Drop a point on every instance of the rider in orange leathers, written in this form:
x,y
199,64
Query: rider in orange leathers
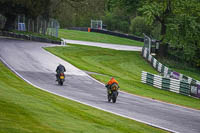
x,y
112,82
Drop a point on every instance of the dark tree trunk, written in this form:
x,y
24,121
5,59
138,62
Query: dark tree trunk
x,y
163,50
10,22
163,29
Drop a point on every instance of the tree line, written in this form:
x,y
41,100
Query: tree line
x,y
32,9
173,22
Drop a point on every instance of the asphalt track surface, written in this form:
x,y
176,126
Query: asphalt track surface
x,y
105,45
37,66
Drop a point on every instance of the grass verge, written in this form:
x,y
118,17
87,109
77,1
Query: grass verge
x,y
96,37
25,109
125,66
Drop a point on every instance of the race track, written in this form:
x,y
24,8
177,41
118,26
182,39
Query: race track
x,y
105,45
37,66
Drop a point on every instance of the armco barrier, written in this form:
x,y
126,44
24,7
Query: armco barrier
x,y
118,34
195,90
165,70
172,81
78,28
28,37
109,33
149,79
165,84
169,84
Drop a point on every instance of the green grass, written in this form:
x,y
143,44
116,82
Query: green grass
x,y
25,109
181,67
96,37
125,66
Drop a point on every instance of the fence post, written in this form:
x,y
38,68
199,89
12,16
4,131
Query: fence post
x,y
154,63
37,26
152,60
142,49
149,58
33,26
145,53
144,77
159,67
162,69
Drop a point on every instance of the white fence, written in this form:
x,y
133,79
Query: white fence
x,y
170,84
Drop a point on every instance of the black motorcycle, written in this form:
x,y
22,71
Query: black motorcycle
x,y
112,92
61,78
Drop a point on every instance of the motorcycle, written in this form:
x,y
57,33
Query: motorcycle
x,y
61,78
113,93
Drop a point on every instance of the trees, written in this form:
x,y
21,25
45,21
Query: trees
x,y
138,26
117,20
31,9
156,10
119,13
10,9
179,22
180,26
80,14
130,6
183,31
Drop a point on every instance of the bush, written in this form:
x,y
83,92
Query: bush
x,y
138,26
117,21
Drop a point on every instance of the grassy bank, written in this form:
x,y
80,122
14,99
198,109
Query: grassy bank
x,y
25,109
125,66
96,37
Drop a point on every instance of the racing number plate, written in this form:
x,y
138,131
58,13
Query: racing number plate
x,y
61,77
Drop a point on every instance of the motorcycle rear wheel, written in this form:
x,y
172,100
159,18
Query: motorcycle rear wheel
x,y
60,82
114,99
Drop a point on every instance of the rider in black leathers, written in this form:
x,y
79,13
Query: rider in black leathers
x,y
60,69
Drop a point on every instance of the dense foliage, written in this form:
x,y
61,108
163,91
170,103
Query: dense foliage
x,y
183,30
31,9
79,14
176,21
117,20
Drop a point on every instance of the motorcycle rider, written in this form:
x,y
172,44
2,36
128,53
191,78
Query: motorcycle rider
x,y
112,82
60,69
